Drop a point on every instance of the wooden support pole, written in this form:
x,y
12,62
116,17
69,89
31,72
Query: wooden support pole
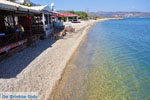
x,y
3,28
38,24
16,34
43,20
30,26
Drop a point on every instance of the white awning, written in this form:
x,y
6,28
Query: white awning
x,y
42,9
7,5
30,9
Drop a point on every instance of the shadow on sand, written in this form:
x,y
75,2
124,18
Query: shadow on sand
x,y
12,66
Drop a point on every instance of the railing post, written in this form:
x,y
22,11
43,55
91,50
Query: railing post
x,y
30,25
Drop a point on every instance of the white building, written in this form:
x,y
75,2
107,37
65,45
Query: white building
x,y
22,1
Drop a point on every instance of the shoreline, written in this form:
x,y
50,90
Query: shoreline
x,y
58,88
80,77
43,72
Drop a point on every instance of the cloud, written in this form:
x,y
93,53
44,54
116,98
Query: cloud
x,y
131,8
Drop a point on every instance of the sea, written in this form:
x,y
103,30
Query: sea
x,y
113,63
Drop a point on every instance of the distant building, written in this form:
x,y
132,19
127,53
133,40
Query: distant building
x,y
24,1
20,1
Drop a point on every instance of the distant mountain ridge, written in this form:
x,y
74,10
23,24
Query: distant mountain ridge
x,y
121,14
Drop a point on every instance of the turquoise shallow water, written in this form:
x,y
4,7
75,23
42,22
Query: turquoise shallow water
x,y
113,63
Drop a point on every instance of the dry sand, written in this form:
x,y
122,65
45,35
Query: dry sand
x,y
37,69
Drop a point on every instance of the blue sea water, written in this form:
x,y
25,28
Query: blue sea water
x,y
116,62
121,52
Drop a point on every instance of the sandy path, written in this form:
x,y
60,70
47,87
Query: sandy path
x,y
41,66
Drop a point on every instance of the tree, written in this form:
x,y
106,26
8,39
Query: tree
x,y
94,16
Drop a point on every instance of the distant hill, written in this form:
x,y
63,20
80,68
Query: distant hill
x,y
121,14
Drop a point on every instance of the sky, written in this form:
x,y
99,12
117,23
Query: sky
x,y
98,5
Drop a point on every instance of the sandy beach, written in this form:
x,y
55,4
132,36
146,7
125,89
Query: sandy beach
x,y
38,68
